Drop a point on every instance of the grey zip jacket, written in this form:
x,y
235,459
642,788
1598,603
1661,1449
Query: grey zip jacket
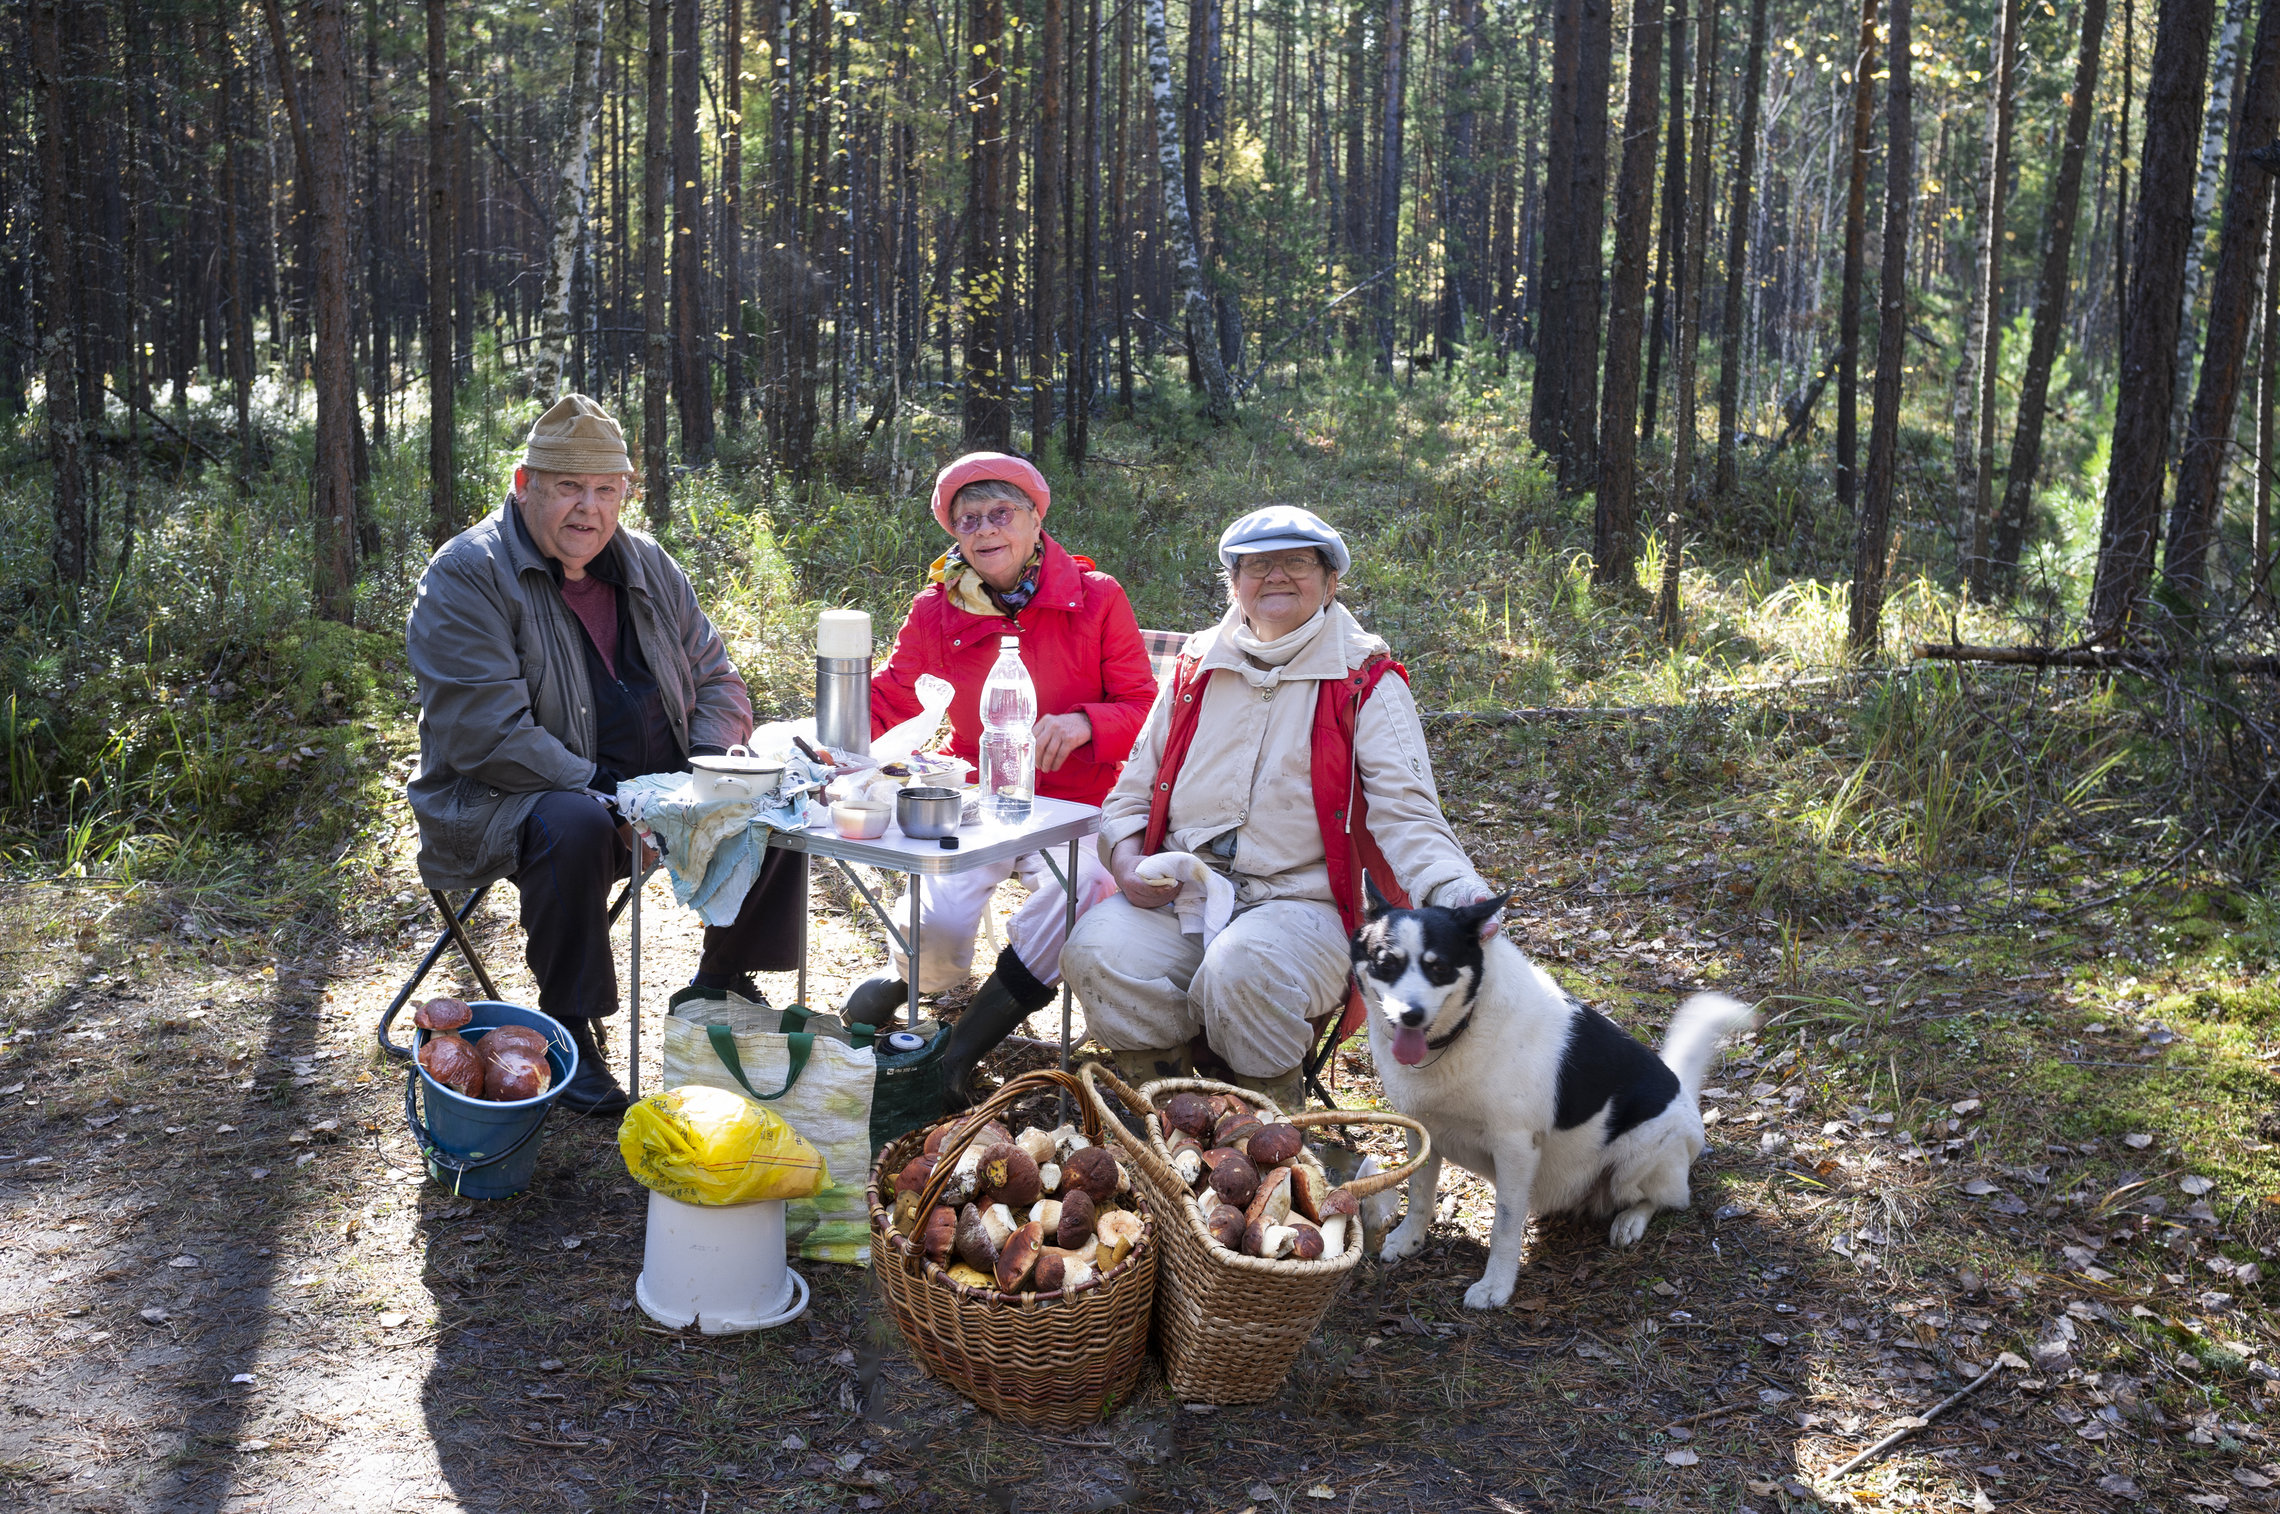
x,y
506,709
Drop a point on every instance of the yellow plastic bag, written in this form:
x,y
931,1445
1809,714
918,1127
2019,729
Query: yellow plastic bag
x,y
709,1146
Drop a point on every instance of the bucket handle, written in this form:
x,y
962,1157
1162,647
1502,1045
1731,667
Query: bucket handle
x,y
434,1151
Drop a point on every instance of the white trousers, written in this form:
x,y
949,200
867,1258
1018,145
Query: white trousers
x,y
1145,984
950,911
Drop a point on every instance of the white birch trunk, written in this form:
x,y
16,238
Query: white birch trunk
x,y
1986,258
1201,324
553,347
2213,129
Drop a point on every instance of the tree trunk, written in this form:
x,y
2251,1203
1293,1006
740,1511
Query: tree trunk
x,y
1045,222
1737,259
1087,343
657,350
732,209
1614,520
442,342
1195,308
989,410
1983,313
59,333
1693,246
1856,236
553,346
2050,298
692,372
334,492
1874,543
2222,69
2163,239
1587,202
1547,402
2267,391
1667,239
1388,239
233,257
1462,178
2232,307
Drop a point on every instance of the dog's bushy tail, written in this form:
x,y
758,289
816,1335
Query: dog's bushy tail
x,y
1695,1031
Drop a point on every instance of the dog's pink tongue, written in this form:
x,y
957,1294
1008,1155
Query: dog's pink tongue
x,y
1409,1046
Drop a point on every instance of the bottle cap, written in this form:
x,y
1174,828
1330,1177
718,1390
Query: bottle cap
x,y
903,1040
949,843
1009,643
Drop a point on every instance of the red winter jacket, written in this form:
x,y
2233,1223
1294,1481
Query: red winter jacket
x,y
1081,645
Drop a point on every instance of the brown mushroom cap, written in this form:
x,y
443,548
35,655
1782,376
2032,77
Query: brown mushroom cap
x,y
1117,1231
1009,1176
1233,1177
1190,1113
938,1235
914,1175
1270,1242
1308,1188
1226,1226
453,1063
1234,1128
1018,1257
443,1014
1271,1203
510,1076
1339,1202
1061,1271
976,1247
1273,1145
501,1039
1308,1247
1093,1170
1078,1214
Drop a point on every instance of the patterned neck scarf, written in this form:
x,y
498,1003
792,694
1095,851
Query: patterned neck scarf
x,y
970,592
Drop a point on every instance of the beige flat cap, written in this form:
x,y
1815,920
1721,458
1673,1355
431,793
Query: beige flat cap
x,y
576,435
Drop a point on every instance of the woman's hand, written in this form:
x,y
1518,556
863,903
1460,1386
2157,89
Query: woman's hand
x,y
1123,863
1058,737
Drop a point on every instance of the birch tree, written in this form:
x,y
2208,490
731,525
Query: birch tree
x,y
2206,181
1973,402
570,191
1195,306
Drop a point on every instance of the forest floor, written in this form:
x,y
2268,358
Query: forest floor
x,y
229,1287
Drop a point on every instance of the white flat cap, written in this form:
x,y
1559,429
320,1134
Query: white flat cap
x,y
1278,527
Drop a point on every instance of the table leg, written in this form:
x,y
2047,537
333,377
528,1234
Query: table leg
x,y
633,1011
1069,924
807,867
910,950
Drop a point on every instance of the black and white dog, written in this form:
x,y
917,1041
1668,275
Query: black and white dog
x,y
1546,1098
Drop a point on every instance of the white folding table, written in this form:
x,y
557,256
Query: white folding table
x,y
1051,823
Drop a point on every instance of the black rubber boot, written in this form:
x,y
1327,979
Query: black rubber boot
x,y
594,1089
1011,996
874,1000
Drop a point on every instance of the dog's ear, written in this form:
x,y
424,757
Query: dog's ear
x,y
1485,916
1378,902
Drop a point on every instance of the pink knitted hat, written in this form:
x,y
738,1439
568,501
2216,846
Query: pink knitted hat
x,y
974,467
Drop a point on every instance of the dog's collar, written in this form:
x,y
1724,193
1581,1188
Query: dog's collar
x,y
1449,1040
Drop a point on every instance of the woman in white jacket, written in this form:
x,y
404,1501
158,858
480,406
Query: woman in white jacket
x,y
1284,757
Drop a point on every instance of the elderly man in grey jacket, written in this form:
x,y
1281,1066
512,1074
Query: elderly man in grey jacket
x,y
557,654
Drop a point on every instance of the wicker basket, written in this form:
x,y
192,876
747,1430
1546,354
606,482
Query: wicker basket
x,y
1040,1359
1230,1326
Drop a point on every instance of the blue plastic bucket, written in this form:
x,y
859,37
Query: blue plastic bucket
x,y
475,1147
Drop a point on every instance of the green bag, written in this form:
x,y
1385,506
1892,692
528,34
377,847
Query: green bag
x,y
845,1093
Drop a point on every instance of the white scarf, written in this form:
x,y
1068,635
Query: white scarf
x,y
1264,660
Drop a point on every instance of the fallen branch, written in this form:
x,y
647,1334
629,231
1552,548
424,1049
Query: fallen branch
x,y
1911,1425
2133,659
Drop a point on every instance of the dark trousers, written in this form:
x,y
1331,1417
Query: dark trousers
x,y
572,854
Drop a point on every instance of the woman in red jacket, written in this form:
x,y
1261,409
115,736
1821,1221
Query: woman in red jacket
x,y
1003,576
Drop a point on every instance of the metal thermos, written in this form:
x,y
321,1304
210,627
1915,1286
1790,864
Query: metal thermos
x,y
843,681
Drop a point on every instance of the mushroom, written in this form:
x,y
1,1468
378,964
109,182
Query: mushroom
x,y
1018,1257
1233,1177
1309,1246
938,1235
1339,1213
1049,1177
1187,1159
1273,1145
443,1014
1189,1113
1271,1204
976,1246
1092,1169
1061,1271
906,1212
1009,1176
453,1063
965,1177
1234,1129
1118,1231
1037,1143
511,1076
1067,1138
1226,1226
501,1039
1308,1187
1271,1242
1047,1212
961,1273
1078,1218
914,1175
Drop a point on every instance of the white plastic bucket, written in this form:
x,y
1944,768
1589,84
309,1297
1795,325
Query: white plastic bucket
x,y
719,1267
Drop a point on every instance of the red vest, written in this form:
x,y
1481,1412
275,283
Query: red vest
x,y
1339,804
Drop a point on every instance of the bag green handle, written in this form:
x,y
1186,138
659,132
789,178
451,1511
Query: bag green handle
x,y
794,1022
801,1043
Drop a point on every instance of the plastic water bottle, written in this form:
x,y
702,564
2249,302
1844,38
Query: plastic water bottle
x,y
1009,741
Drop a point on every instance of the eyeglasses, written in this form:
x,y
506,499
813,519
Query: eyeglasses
x,y
1291,564
998,519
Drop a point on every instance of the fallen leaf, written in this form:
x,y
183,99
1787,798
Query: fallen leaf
x,y
183,1261
1321,1490
2119,1486
244,1377
2195,1184
1685,1458
153,1315
2250,1479
1979,1188
2137,1142
2208,1500
391,1320
1964,1106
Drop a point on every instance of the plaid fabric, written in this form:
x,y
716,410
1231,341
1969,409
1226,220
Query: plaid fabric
x,y
1163,648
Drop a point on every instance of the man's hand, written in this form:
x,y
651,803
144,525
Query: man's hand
x,y
1123,859
1058,737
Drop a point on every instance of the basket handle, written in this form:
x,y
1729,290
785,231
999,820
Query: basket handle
x,y
1011,1093
1141,1149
